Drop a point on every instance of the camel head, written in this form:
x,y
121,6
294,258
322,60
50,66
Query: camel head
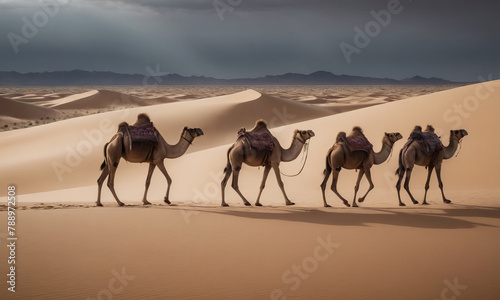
x,y
303,135
458,134
392,137
191,133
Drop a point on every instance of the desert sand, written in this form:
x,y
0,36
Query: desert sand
x,y
69,249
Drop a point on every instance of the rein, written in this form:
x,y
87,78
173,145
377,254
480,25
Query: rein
x,y
304,159
390,155
459,147
182,135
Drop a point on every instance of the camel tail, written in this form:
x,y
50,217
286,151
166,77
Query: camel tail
x,y
228,166
103,165
401,170
328,167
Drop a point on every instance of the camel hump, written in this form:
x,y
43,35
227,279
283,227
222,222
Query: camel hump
x,y
356,131
260,125
142,118
341,136
122,125
429,128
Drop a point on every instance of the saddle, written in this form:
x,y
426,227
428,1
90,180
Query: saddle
x,y
142,136
259,137
356,141
429,139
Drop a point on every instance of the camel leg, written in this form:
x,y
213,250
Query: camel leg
x,y
407,185
334,187
369,178
236,173
438,174
148,181
328,171
223,185
429,173
111,182
401,173
100,181
281,184
263,184
161,166
356,187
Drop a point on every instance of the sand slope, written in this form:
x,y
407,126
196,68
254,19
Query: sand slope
x,y
101,99
22,110
199,250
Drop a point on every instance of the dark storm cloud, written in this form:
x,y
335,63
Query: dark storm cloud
x,y
457,40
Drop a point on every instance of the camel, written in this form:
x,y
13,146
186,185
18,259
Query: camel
x,y
340,156
120,147
416,152
241,152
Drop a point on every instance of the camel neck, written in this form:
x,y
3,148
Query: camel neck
x,y
383,154
177,150
450,150
292,152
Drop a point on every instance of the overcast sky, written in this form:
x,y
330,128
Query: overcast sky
x,y
453,39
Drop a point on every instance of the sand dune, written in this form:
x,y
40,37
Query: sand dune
x,y
199,250
221,117
101,99
21,110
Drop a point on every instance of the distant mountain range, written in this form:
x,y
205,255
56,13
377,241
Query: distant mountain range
x,y
78,77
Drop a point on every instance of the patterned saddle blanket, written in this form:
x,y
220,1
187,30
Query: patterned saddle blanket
x,y
146,133
358,142
141,136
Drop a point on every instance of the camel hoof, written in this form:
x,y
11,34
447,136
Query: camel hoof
x,y
167,201
258,204
355,205
327,205
146,203
121,204
415,202
402,204
361,199
98,204
347,204
290,203
224,205
447,201
425,203
248,204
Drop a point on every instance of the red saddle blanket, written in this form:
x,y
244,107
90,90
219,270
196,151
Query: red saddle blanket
x,y
260,140
357,143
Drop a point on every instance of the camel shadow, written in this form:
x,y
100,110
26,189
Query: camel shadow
x,y
422,218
